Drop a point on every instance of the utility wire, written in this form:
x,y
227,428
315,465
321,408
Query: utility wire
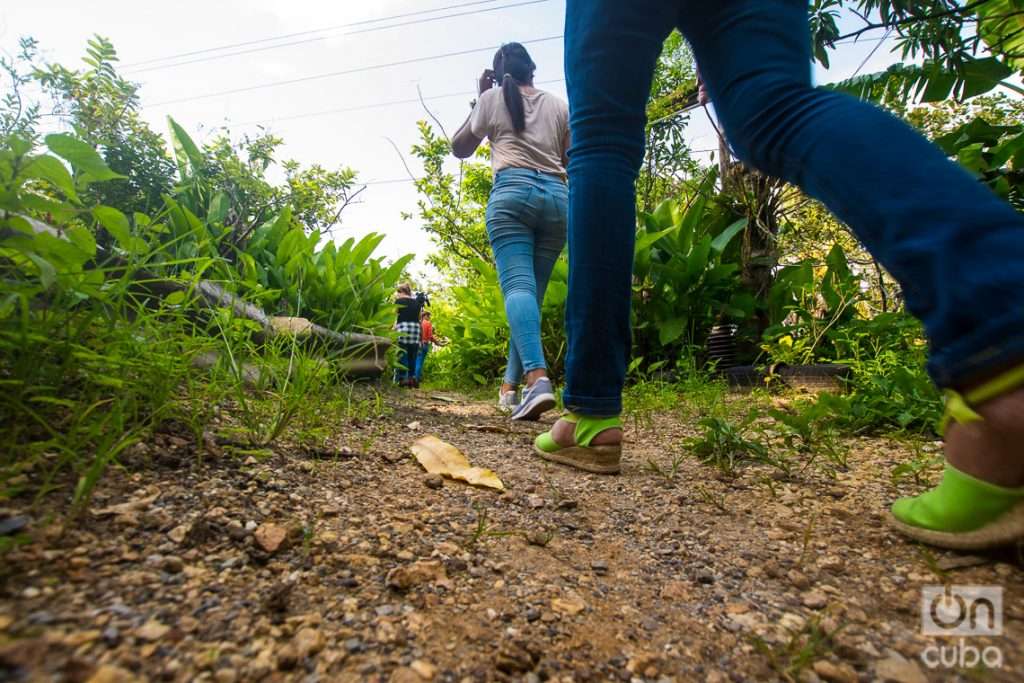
x,y
871,54
345,72
306,41
310,32
372,105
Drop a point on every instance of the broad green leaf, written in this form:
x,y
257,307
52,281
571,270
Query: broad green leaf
x,y
82,238
647,240
187,154
978,76
219,206
81,156
1007,150
671,330
115,222
47,273
1001,27
663,214
972,157
54,172
720,243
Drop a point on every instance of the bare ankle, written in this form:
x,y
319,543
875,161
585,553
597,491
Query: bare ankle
x,y
990,450
532,376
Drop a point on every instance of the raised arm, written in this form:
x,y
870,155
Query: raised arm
x,y
465,142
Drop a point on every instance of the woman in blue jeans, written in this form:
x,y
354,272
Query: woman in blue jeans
x,y
956,249
526,215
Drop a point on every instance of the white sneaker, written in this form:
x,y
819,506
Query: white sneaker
x,y
507,401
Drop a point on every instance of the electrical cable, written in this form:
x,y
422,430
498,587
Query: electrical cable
x,y
372,105
345,72
306,33
306,41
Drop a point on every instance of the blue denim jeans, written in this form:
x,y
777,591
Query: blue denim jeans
x,y
956,249
421,358
526,224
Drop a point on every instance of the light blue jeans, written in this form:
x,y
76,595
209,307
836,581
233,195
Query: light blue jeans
x,y
527,216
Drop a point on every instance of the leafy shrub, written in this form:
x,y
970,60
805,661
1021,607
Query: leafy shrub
x,y
472,318
890,389
686,276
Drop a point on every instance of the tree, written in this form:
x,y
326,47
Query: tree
x,y
965,48
18,117
102,108
667,160
454,205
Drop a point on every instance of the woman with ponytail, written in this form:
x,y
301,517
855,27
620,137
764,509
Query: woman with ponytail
x,y
527,213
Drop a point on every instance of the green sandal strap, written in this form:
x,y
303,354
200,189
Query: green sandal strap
x,y
959,407
587,428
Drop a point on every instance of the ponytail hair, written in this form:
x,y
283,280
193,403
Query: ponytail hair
x,y
514,68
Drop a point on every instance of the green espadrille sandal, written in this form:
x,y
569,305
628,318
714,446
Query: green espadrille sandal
x,y
583,456
963,512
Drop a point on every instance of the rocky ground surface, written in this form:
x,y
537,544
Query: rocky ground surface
x,y
348,562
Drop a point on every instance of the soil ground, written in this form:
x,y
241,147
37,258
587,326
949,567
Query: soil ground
x,y
344,562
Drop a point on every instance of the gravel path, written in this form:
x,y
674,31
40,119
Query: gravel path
x,y
347,562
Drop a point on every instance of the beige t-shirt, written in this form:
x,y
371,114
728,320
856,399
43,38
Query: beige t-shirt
x,y
539,147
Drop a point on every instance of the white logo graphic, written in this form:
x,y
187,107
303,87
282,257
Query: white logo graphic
x,y
962,611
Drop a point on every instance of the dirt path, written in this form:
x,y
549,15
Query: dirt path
x,y
371,574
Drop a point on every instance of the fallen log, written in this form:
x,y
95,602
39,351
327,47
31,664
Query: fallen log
x,y
361,356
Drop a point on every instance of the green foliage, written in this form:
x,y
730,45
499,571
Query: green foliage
x,y
685,274
472,318
807,309
938,41
994,153
18,116
890,389
668,161
84,374
453,205
91,360
727,445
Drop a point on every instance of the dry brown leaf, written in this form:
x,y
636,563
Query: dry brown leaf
x,y
439,457
295,326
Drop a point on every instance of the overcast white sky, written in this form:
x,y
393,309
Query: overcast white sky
x,y
144,30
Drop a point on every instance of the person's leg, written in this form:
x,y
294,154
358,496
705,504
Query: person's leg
x,y
551,231
610,54
509,212
513,368
421,358
956,249
611,49
409,353
549,240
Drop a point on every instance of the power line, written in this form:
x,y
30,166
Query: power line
x,y
373,105
871,54
310,32
345,72
306,41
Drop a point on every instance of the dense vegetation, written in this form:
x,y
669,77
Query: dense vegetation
x,y
91,218
723,244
